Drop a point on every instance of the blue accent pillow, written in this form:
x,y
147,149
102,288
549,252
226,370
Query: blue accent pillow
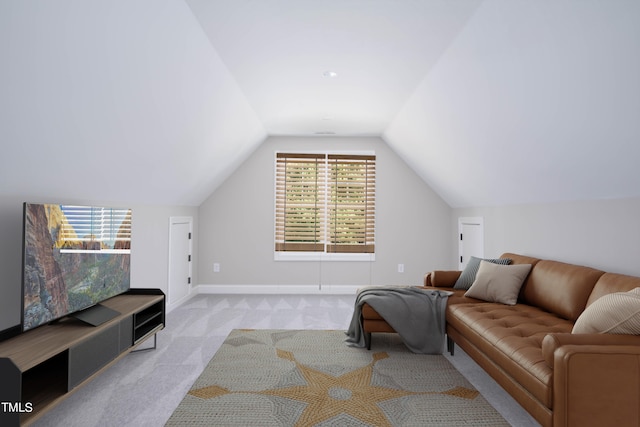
x,y
468,275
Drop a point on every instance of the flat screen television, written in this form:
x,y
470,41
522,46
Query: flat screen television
x,y
74,257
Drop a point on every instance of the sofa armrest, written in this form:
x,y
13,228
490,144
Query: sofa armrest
x,y
596,385
441,278
552,342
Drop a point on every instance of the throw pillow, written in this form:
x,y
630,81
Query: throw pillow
x,y
469,273
498,283
616,313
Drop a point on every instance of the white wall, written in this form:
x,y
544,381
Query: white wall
x,y
106,89
603,234
150,245
149,251
237,224
84,82
533,102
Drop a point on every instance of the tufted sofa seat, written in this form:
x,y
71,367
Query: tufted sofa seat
x,y
512,338
560,378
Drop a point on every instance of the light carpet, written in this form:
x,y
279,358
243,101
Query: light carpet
x,y
312,378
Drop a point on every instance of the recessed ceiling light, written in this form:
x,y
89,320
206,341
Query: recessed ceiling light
x,y
330,74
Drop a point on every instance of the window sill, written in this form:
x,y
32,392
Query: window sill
x,y
321,256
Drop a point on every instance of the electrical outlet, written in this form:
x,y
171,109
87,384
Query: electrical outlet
x,y
400,268
216,267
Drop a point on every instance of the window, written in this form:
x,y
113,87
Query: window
x,y
325,203
90,229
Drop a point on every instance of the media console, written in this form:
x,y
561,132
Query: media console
x,y
41,367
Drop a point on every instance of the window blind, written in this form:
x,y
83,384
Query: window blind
x,y
325,203
95,228
300,204
351,203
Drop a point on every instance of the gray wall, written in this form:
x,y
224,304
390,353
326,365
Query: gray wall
x,y
149,252
603,234
237,224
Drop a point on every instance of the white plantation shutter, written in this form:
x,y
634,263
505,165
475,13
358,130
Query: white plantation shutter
x,y
325,203
351,203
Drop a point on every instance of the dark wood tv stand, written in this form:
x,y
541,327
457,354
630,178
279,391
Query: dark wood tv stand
x,y
41,367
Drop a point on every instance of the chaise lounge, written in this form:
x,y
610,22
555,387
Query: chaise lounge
x,y
568,350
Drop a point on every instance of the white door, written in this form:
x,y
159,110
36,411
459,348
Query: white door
x,y
180,230
470,240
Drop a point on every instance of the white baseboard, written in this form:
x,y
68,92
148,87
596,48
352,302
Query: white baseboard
x,y
278,289
266,290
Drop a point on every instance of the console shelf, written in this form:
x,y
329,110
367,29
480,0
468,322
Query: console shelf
x,y
146,321
41,367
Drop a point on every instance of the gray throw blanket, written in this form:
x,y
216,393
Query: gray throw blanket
x,y
416,314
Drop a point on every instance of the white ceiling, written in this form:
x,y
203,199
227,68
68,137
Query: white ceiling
x,y
535,101
278,51
490,102
119,100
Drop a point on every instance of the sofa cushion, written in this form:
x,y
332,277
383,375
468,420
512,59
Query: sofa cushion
x,y
458,296
612,282
560,288
444,278
616,313
511,336
520,259
498,283
469,273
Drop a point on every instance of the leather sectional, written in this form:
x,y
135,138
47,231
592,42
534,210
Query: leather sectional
x,y
561,378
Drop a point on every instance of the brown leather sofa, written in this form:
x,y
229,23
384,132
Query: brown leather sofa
x,y
560,378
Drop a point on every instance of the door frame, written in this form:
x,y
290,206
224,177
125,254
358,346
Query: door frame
x,y
470,220
179,220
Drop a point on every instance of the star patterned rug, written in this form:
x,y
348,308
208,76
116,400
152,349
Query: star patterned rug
x,y
312,378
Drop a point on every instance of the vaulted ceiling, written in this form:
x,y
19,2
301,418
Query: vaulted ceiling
x,y
158,101
280,50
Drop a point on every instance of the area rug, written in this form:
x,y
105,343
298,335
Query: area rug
x,y
312,378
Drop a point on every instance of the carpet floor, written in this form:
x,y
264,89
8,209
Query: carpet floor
x,y
144,389
312,378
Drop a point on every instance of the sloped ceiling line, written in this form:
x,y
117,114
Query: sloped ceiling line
x,y
491,102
